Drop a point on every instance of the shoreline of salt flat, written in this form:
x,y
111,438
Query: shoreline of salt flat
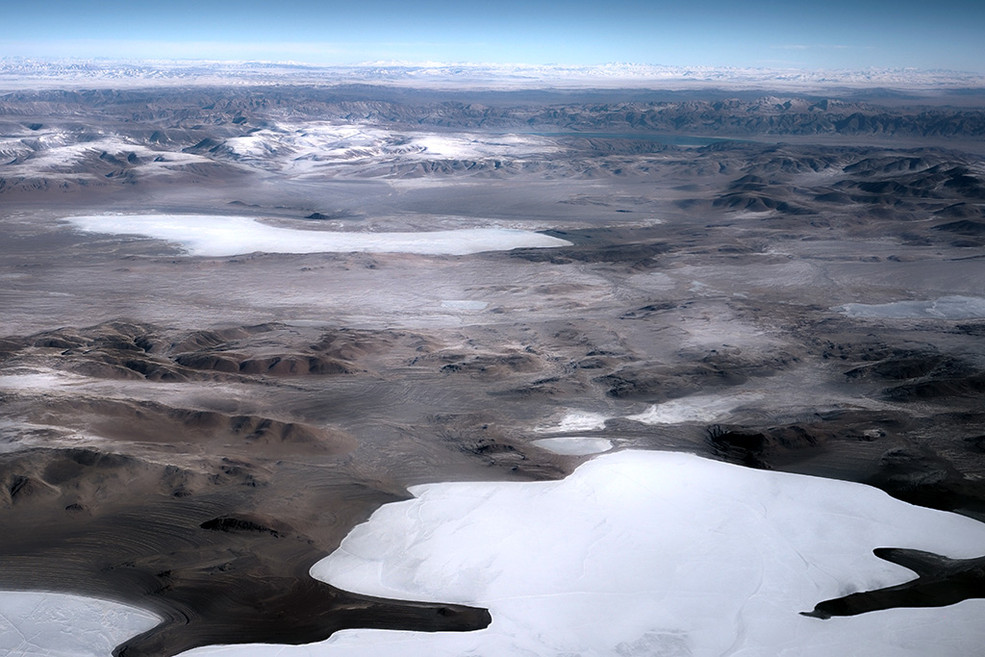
x,y
220,235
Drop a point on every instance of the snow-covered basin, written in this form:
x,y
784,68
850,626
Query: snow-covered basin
x,y
217,235
39,624
647,553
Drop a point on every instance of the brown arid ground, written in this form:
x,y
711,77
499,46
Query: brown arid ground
x,y
191,433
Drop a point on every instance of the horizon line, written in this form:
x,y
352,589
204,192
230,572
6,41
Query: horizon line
x,y
425,64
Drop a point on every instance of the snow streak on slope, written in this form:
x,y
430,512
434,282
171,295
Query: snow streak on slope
x,y
82,154
320,148
308,150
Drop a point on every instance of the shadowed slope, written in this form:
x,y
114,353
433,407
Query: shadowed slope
x,y
297,611
940,582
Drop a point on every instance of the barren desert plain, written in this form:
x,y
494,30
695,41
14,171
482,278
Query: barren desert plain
x,y
376,369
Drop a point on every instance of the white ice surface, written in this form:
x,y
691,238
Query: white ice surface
x,y
648,553
575,420
697,408
949,307
574,445
37,624
209,235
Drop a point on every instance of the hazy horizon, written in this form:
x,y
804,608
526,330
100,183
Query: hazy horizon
x,y
764,34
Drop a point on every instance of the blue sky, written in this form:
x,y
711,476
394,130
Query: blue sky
x,y
762,33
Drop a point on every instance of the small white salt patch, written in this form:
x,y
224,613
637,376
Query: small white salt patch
x,y
699,408
463,304
574,445
575,420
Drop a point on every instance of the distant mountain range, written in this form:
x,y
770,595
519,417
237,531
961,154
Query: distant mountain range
x,y
20,72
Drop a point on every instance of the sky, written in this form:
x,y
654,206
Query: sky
x,y
836,34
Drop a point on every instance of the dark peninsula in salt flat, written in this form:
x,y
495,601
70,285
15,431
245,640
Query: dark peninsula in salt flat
x,y
237,320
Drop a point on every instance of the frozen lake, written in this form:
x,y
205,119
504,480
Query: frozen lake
x,y
635,553
39,624
217,235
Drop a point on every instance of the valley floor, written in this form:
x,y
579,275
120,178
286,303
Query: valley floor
x,y
191,430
